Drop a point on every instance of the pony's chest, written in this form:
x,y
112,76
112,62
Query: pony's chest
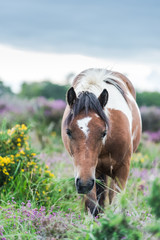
x,y
115,152
107,165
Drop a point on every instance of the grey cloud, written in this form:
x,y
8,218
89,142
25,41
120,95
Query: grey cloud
x,y
98,28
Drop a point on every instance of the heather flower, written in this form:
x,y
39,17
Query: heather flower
x,y
154,136
58,104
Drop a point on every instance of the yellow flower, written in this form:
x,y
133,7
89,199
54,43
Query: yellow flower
x,y
52,175
47,167
33,154
22,170
43,192
59,190
26,138
19,140
22,152
12,131
9,131
142,160
53,134
5,171
19,144
26,143
24,126
30,163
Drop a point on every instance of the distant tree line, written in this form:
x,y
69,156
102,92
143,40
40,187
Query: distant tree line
x,y
45,89
4,89
54,91
148,99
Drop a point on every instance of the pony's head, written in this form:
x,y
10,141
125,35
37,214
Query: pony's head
x,y
86,128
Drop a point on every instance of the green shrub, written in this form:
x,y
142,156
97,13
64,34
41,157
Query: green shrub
x,y
154,199
154,202
21,173
115,227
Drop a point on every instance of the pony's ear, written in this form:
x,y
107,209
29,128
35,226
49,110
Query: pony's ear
x,y
71,96
103,98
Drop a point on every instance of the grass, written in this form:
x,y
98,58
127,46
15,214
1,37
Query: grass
x,y
60,215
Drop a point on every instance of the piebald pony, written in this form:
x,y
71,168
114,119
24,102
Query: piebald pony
x,y
101,128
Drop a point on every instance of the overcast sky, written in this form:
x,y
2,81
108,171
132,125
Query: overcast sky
x,y
49,39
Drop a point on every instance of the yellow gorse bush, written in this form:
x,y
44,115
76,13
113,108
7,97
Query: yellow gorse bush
x,y
13,143
17,156
21,171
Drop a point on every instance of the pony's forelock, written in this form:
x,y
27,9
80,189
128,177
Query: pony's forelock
x,y
86,101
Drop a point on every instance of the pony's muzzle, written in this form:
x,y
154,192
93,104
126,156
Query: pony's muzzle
x,y
84,187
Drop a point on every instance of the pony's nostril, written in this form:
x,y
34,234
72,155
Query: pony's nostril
x,y
84,186
77,182
92,181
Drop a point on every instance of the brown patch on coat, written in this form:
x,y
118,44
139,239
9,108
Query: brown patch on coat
x,y
118,144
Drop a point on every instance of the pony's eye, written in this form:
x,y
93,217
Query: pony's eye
x,y
69,133
104,134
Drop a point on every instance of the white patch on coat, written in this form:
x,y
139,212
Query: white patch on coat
x,y
93,81
134,134
129,95
97,115
104,140
83,125
116,101
76,172
139,114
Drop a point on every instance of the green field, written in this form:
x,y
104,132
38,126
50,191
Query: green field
x,y
39,199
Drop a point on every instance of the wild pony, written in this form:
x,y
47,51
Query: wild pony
x,y
101,128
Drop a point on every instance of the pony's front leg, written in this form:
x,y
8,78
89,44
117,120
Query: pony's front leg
x,y
91,203
121,176
101,191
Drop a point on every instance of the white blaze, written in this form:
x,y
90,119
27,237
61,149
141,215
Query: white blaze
x,y
83,125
